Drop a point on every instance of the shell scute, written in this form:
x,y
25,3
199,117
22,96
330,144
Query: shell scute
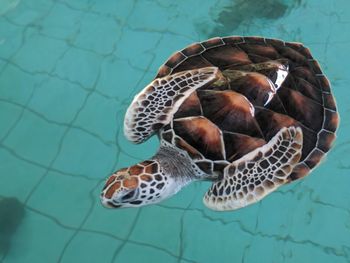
x,y
271,122
227,107
306,74
265,51
314,158
295,45
201,134
325,140
305,52
331,120
233,40
306,88
324,83
193,49
275,42
315,67
303,99
193,152
255,40
300,107
192,63
175,60
293,55
237,145
163,71
190,107
226,56
299,171
329,102
213,42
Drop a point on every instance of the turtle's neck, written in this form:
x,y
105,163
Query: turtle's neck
x,y
176,164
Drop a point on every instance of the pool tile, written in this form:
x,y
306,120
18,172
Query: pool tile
x,y
48,197
9,113
33,58
55,93
17,86
40,143
21,176
44,242
117,9
62,22
100,27
198,233
116,222
10,39
118,78
80,67
82,153
156,234
90,242
139,47
99,117
26,12
141,20
133,253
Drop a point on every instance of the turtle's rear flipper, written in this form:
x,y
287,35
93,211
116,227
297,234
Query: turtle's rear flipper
x,y
156,104
258,173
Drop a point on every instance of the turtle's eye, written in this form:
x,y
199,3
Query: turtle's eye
x,y
129,196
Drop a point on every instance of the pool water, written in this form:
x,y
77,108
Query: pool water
x,y
68,71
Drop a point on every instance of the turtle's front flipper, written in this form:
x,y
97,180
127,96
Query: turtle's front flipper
x,y
258,173
156,104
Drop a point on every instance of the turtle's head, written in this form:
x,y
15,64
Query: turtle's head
x,y
138,185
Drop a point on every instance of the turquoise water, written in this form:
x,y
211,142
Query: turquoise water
x,y
69,69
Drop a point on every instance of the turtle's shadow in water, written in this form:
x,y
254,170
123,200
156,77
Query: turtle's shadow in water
x,y
11,215
240,12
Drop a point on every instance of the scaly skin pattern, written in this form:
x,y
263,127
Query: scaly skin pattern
x,y
151,181
137,185
155,105
258,173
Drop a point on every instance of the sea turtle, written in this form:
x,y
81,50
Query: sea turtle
x,y
248,113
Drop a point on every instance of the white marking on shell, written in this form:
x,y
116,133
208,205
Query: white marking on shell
x,y
251,107
282,74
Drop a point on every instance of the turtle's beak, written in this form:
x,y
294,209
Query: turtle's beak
x,y
109,204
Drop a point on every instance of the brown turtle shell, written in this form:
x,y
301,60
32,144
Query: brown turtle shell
x,y
215,125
